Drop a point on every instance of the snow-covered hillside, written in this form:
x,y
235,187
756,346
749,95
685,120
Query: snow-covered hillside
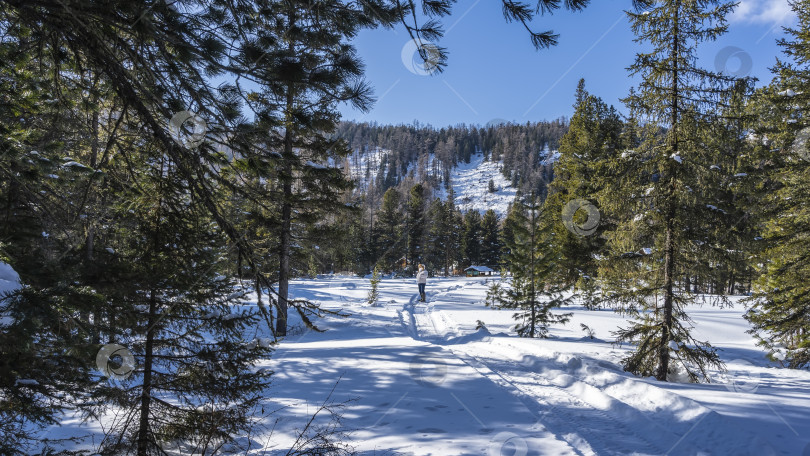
x,y
365,166
420,379
470,182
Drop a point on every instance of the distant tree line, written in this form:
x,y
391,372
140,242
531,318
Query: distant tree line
x,y
523,150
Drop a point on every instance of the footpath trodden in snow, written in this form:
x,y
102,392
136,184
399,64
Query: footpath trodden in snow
x,y
420,379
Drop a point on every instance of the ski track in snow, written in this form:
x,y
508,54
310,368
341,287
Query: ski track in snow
x,y
590,419
586,428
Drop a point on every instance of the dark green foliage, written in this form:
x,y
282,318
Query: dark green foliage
x,y
186,334
593,139
389,229
531,259
662,195
471,238
780,307
374,293
490,240
444,238
416,228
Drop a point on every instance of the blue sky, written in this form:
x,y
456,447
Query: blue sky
x,y
494,73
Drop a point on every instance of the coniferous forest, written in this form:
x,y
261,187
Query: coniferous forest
x,y
161,162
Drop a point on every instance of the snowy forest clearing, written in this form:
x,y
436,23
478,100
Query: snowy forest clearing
x,y
423,381
420,379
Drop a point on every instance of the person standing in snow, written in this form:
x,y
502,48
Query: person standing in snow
x,y
421,280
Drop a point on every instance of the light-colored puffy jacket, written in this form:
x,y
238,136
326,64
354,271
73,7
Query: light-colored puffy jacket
x,y
421,276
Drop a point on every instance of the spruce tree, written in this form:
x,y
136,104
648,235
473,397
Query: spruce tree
x,y
416,226
194,388
307,67
48,336
374,293
118,238
471,237
389,228
531,259
736,178
508,232
490,240
437,235
657,194
592,140
780,308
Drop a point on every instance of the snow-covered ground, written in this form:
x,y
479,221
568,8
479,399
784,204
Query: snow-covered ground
x,y
470,182
424,381
420,379
9,279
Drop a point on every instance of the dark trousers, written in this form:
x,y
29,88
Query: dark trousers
x,y
422,291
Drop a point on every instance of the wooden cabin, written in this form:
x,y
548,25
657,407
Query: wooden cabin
x,y
478,271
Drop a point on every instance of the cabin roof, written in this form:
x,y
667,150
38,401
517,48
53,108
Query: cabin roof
x,y
480,269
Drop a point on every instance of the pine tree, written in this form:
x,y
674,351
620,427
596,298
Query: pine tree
x,y
194,386
780,308
592,140
490,240
513,216
664,214
471,237
437,235
47,338
309,67
416,225
531,260
390,231
374,293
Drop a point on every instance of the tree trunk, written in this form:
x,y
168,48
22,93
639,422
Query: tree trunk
x,y
91,229
531,286
669,298
284,264
284,245
669,246
146,391
286,208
